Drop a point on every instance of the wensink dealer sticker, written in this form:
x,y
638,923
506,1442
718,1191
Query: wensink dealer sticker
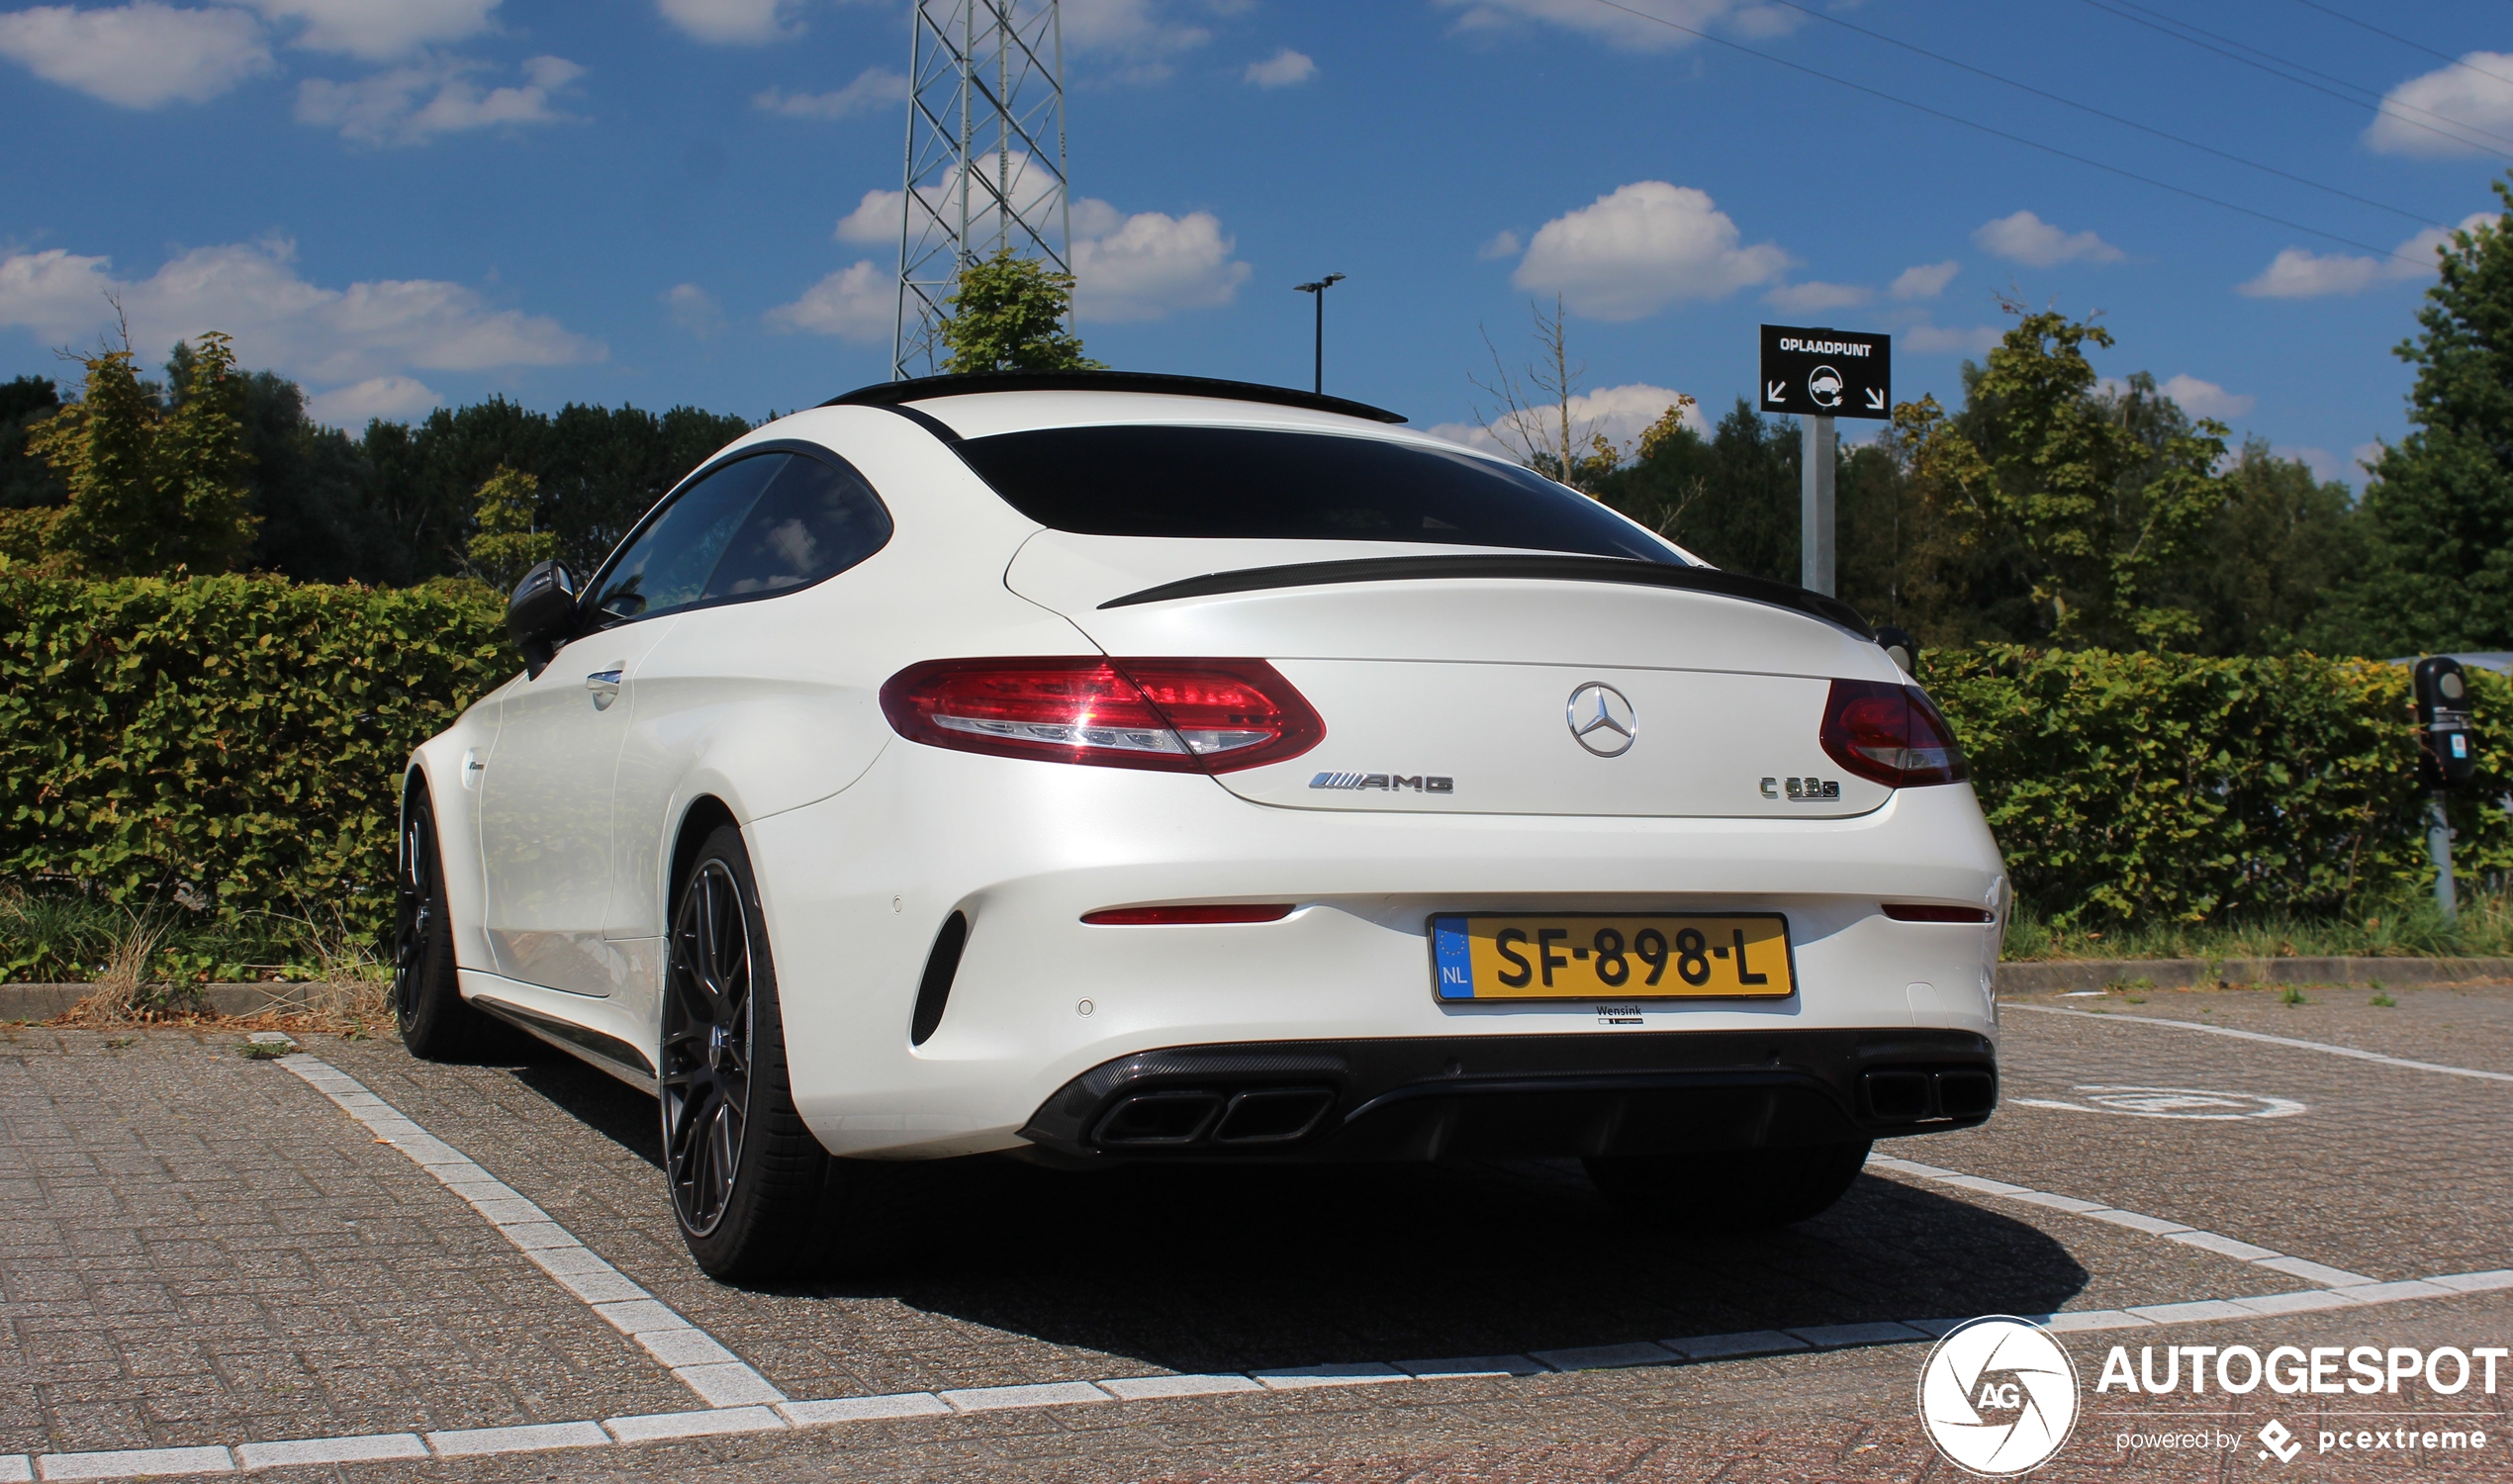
x,y
2001,1397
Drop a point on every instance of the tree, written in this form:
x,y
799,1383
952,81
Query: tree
x,y
150,488
1008,313
2439,569
26,482
1537,417
2086,496
2261,575
505,543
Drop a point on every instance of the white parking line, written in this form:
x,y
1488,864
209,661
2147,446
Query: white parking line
x,y
2262,1036
2336,1279
840,1410
690,1353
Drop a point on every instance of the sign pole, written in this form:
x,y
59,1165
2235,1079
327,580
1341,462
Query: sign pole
x,y
2439,850
1817,442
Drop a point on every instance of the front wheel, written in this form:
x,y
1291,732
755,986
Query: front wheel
x,y
755,1195
1734,1191
427,1003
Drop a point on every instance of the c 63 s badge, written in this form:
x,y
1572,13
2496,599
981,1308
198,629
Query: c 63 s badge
x,y
1803,790
1419,783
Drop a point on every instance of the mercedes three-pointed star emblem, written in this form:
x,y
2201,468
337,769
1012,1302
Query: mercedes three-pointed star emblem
x,y
1603,721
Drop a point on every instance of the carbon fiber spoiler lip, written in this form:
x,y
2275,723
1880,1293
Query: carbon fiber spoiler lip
x,y
1577,569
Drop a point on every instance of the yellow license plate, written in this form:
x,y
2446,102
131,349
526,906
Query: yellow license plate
x,y
1662,956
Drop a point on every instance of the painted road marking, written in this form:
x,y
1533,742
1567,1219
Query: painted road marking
x,y
692,1356
2172,1102
2262,1036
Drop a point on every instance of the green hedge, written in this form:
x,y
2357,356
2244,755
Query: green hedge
x,y
2144,786
239,737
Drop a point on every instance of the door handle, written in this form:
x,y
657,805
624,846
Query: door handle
x,y
603,685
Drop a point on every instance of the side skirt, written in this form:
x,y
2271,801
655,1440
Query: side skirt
x,y
592,1048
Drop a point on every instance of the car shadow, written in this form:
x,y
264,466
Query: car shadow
x,y
1206,1267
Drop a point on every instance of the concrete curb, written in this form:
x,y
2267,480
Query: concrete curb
x,y
2183,973
44,1002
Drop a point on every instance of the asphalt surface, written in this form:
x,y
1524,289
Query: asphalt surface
x,y
203,1250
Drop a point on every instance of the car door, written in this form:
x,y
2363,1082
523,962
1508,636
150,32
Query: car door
x,y
725,681
545,824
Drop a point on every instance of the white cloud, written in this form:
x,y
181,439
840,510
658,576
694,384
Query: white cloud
x,y
1927,281
139,55
2206,399
732,23
1134,33
2460,95
874,87
413,104
1980,339
2296,273
253,292
1619,28
2028,239
1504,243
1639,249
1285,69
1141,266
2324,464
1154,265
859,304
693,309
1622,414
1807,297
2366,456
395,398
379,29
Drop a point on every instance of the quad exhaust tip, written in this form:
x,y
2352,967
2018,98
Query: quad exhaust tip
x,y
1917,1096
1182,1118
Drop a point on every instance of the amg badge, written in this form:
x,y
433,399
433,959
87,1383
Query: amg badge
x,y
1419,783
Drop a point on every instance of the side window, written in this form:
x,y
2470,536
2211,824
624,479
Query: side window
x,y
756,526
668,564
814,521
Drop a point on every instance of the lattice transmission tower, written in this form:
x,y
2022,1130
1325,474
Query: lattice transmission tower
x,y
986,156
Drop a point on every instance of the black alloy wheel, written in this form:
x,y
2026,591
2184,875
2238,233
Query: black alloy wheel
x,y
427,1003
708,1031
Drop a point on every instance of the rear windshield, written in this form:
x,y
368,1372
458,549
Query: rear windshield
x,y
1251,484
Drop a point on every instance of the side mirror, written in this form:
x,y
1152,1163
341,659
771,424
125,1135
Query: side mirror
x,y
541,613
1901,647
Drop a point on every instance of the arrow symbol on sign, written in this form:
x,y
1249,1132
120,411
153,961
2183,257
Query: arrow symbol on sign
x,y
1775,391
1875,399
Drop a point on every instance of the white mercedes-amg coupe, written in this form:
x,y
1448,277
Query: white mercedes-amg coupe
x,y
1104,768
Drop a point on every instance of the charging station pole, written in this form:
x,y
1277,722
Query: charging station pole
x,y
1817,456
2446,758
2439,850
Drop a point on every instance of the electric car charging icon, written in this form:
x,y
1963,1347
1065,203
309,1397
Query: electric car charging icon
x,y
1823,385
1998,1397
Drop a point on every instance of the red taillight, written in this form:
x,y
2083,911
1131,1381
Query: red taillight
x,y
1173,916
1892,734
1913,911
1175,715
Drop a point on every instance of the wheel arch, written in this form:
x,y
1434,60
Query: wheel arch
x,y
705,814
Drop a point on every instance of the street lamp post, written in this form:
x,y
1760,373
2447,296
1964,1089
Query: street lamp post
x,y
1318,376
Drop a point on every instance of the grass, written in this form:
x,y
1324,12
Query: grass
x,y
53,934
2411,928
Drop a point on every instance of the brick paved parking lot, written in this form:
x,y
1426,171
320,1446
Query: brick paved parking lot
x,y
347,1263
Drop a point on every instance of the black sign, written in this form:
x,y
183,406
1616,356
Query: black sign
x,y
1835,373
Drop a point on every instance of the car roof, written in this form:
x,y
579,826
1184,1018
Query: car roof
x,y
928,388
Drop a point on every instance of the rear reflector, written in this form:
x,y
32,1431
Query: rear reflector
x,y
1171,917
1890,735
1910,912
1172,716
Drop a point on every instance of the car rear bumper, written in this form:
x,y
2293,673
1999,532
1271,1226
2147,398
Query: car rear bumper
x,y
1519,1096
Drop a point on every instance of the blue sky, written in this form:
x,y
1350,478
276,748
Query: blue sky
x,y
403,202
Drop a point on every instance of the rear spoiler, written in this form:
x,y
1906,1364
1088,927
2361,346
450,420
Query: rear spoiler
x,y
1561,569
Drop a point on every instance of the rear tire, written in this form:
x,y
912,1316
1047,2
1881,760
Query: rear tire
x,y
755,1195
427,1003
1731,1190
